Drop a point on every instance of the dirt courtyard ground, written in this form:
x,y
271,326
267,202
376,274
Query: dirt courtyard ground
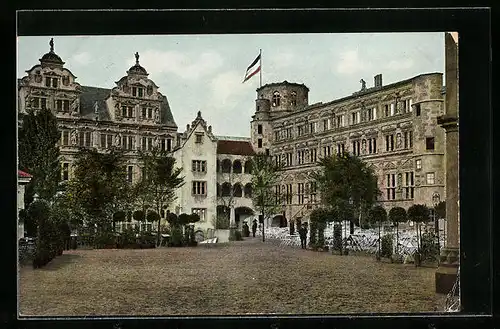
x,y
244,277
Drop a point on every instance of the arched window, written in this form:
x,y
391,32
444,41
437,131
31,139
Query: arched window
x,y
293,98
226,189
248,167
226,166
276,98
237,167
237,192
248,190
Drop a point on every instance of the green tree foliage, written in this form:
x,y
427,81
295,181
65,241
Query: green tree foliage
x,y
99,187
378,215
39,153
265,175
387,247
139,215
347,184
160,178
397,215
441,210
152,216
45,246
319,217
418,213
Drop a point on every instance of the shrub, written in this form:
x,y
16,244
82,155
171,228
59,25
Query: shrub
x,y
313,232
387,245
139,216
176,238
321,235
152,216
337,237
429,248
128,237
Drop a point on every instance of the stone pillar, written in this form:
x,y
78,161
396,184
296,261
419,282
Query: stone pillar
x,y
449,259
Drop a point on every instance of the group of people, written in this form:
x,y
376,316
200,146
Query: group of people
x,y
246,229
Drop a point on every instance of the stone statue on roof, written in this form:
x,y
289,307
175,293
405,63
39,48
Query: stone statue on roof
x,y
96,107
157,114
51,44
363,84
137,58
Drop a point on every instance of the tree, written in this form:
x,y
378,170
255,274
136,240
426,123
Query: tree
x,y
163,177
348,178
440,210
341,211
265,175
99,187
378,215
397,215
39,153
418,213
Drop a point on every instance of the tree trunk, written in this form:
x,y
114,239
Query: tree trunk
x,y
379,225
158,233
397,237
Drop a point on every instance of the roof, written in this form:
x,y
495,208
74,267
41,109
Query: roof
x,y
91,95
233,138
234,147
23,174
274,84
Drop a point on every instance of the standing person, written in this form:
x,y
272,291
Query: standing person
x,y
246,230
303,236
254,227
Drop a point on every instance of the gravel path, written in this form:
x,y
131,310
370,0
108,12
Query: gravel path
x,y
244,277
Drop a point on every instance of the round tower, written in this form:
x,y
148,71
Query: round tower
x,y
429,138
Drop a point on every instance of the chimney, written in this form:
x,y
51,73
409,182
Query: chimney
x,y
210,129
187,127
378,80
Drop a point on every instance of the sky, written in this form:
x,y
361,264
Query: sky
x,y
205,72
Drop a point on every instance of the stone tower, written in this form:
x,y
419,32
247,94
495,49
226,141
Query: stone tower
x,y
274,100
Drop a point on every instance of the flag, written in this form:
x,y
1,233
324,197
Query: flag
x,y
253,69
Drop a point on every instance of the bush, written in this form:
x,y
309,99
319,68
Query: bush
x,y
128,238
176,238
152,216
147,240
387,246
138,215
313,232
104,240
321,235
337,237
238,236
429,248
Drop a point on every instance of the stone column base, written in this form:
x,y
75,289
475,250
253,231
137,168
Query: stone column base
x,y
446,274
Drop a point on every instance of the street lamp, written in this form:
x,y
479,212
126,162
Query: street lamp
x,y
435,201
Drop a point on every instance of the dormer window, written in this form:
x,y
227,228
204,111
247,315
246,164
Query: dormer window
x,y
276,98
54,82
140,92
199,138
150,113
47,82
134,91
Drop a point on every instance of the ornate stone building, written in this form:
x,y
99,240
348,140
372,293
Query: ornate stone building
x,y
391,127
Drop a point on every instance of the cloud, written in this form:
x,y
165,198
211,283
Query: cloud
x,y
82,58
226,87
186,66
399,65
350,63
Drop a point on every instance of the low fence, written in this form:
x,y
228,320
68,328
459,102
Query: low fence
x,y
363,240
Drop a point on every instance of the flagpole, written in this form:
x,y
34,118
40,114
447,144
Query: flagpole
x,y
260,73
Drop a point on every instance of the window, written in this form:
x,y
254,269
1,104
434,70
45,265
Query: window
x,y
199,188
267,151
127,142
327,151
277,194
140,92
408,139
130,112
430,178
150,113
326,124
354,118
372,145
301,156
199,166
106,140
43,102
65,137
130,173
429,143
409,185
59,105
144,112
200,212
340,148
124,111
54,82
312,127
47,82
339,121
392,109
199,138
289,159
276,98
389,143
313,155
134,91
259,143
289,195
391,186
259,129
417,110
65,171
386,110
66,105
169,145
418,164
409,106
300,193
85,138
300,130
277,135
289,133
